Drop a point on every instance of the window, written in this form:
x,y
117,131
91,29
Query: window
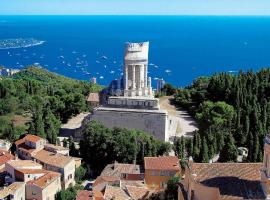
x,y
34,193
172,173
164,173
154,173
28,175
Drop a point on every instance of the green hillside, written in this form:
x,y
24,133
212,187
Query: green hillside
x,y
46,98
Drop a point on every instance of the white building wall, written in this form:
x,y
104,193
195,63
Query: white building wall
x,y
20,193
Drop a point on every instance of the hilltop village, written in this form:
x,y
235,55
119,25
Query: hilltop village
x,y
68,139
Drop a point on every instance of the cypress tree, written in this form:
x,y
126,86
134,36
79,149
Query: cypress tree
x,y
229,151
204,151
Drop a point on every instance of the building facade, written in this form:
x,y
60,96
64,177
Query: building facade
x,y
45,187
130,101
158,170
15,191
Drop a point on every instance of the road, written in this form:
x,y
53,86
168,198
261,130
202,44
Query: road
x,y
180,122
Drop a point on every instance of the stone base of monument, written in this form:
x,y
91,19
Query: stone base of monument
x,y
154,122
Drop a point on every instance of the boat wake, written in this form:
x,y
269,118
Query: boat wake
x,y
19,43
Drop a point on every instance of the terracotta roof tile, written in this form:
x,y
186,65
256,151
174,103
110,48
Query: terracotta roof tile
x,y
105,179
56,147
112,192
18,142
23,164
5,156
11,189
137,193
83,195
45,180
117,169
161,163
32,138
98,195
51,158
234,180
32,171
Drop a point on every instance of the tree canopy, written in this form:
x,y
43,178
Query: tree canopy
x,y
47,98
101,146
232,110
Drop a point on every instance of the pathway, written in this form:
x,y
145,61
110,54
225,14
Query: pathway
x,y
180,122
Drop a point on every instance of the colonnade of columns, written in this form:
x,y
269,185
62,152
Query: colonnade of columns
x,y
135,79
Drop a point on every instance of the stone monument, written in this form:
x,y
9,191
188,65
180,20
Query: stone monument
x,y
130,101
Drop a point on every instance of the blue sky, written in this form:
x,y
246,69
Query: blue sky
x,y
135,7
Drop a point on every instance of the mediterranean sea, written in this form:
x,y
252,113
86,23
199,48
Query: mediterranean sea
x,y
181,47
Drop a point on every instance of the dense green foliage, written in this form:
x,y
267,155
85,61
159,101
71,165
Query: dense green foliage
x,y
101,146
49,99
80,173
232,111
68,194
171,191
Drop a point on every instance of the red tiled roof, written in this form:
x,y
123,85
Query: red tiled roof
x,y
32,138
137,193
45,180
5,156
234,180
105,179
83,195
29,137
32,171
161,163
94,97
18,142
98,195
118,193
51,158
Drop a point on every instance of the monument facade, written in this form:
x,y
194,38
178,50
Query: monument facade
x,y
129,101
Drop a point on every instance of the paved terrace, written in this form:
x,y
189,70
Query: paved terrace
x,y
181,123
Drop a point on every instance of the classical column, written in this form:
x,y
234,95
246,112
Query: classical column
x,y
145,76
133,78
149,82
141,85
126,77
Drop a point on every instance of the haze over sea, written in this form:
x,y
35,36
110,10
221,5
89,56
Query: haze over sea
x,y
181,47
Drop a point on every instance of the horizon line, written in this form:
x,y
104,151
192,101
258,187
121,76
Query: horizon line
x,y
145,15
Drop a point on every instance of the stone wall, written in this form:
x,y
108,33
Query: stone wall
x,y
154,122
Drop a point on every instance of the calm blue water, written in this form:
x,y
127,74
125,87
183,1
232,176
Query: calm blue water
x,y
188,46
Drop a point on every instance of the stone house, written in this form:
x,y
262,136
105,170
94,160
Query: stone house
x,y
58,163
15,191
158,170
51,157
23,170
5,156
44,187
27,146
